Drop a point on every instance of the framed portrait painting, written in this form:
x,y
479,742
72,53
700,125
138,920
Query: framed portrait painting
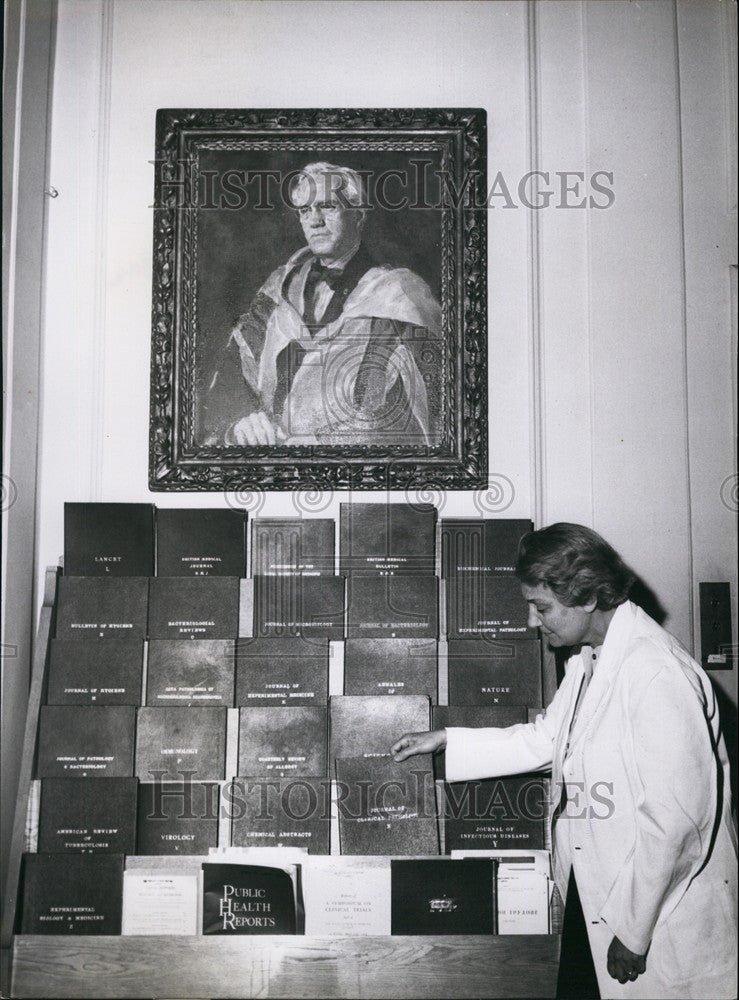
x,y
319,299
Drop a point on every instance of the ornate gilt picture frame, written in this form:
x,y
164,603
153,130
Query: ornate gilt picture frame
x,y
319,300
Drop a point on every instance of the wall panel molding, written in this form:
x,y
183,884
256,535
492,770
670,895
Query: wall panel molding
x,y
29,54
100,222
562,377
690,582
637,290
76,291
537,379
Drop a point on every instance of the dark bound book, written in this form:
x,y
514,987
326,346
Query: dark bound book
x,y
386,808
248,899
102,608
486,607
473,717
87,815
378,538
495,814
198,608
299,605
282,742
90,672
368,726
201,542
108,539
72,894
485,545
190,672
282,671
489,672
177,817
443,897
292,546
85,741
174,742
392,607
391,666
286,812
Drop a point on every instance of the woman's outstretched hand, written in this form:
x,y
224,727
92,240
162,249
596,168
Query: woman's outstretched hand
x,y
415,743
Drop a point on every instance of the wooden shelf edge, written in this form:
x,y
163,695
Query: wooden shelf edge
x,y
38,677
284,967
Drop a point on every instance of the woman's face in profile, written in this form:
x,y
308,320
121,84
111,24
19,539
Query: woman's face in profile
x,y
559,624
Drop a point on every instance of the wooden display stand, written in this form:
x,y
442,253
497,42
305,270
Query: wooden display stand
x,y
280,967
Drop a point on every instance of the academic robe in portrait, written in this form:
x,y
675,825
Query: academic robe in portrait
x,y
367,372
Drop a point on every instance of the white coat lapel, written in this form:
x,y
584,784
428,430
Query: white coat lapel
x,y
609,661
575,676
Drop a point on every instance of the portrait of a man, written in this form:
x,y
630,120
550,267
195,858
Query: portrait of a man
x,y
336,347
319,299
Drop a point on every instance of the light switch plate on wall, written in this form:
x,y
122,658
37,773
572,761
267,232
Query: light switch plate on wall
x,y
717,650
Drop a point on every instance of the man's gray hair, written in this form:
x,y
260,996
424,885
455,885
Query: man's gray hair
x,y
342,181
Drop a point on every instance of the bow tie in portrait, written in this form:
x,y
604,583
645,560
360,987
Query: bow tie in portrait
x,y
331,275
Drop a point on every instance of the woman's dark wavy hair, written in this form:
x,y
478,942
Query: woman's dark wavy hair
x,y
576,564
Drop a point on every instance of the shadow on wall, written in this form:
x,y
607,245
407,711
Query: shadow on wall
x,y
727,712
643,595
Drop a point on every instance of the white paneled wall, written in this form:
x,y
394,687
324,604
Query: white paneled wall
x,y
610,332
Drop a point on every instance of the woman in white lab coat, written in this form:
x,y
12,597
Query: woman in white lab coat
x,y
640,779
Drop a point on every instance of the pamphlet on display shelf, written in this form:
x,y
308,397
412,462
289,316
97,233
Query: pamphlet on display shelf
x,y
484,546
72,893
249,899
524,890
285,812
87,815
201,542
160,903
366,726
441,896
490,607
399,606
109,608
92,672
188,672
391,666
386,808
274,671
283,546
345,897
108,539
283,742
86,741
193,608
310,606
378,539
485,671
496,813
177,817
176,743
